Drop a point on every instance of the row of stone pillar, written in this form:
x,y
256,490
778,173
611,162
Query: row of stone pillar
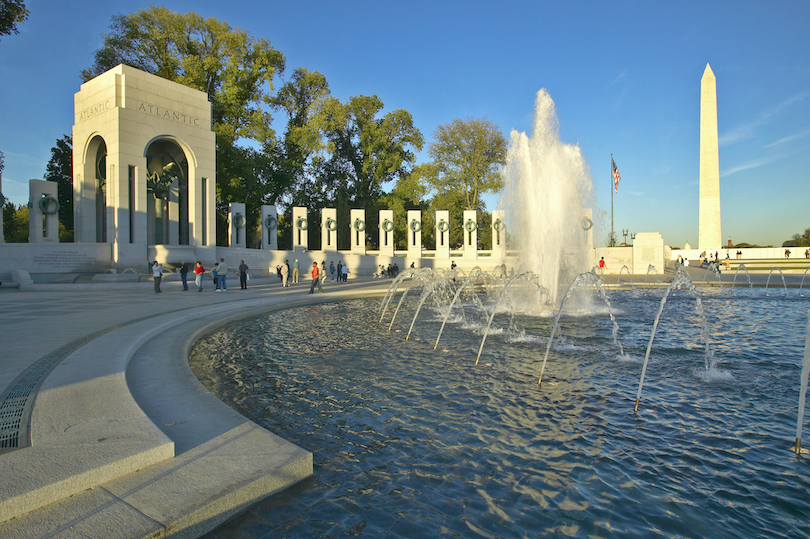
x,y
357,224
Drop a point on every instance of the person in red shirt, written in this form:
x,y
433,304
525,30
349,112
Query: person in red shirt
x,y
199,270
315,280
602,266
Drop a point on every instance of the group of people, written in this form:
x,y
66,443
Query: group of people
x,y
219,274
391,271
284,271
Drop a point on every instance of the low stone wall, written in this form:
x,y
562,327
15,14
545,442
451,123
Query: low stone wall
x,y
44,261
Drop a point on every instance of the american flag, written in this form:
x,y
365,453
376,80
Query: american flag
x,y
616,176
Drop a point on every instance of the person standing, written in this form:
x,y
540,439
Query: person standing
x,y
184,275
289,272
157,274
323,270
198,272
296,267
332,269
315,280
340,271
285,272
602,266
243,275
345,273
222,271
215,271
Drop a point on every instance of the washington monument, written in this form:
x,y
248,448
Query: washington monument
x,y
709,236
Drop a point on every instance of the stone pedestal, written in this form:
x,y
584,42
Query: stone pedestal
x,y
357,226
443,234
499,235
648,249
237,222
300,225
43,212
414,233
269,228
470,234
386,233
329,234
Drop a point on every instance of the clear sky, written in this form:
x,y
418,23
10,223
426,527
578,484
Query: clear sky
x,y
625,77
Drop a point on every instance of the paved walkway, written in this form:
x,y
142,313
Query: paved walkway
x,y
116,436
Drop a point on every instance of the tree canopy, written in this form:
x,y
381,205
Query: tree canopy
x,y
12,12
233,68
798,240
60,170
468,156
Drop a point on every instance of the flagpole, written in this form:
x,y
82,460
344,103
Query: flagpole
x,y
611,201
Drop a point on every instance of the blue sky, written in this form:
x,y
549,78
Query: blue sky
x,y
625,77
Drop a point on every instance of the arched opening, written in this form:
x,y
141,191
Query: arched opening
x,y
167,194
100,181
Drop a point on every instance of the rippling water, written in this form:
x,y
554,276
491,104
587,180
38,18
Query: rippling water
x,y
408,442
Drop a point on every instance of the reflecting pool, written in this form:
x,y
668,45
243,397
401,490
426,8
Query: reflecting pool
x,y
412,442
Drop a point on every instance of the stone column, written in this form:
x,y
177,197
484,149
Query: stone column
x,y
442,234
236,224
357,225
300,224
329,229
709,236
269,228
43,212
499,235
386,233
470,234
414,233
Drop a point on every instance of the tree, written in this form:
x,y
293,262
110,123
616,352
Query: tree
x,y
364,152
233,68
798,240
12,12
15,223
60,170
468,155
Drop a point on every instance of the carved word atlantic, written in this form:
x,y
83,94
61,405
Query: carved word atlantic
x,y
89,112
169,114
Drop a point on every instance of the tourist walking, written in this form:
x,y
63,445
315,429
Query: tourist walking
x,y
184,275
287,264
296,267
332,269
215,272
323,271
222,271
243,275
198,272
285,272
315,280
157,274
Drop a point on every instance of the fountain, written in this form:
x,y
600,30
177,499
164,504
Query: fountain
x,y
408,440
414,440
547,188
742,267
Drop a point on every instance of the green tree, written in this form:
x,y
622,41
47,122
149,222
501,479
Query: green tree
x,y
233,68
12,12
363,153
468,156
798,240
60,170
15,223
